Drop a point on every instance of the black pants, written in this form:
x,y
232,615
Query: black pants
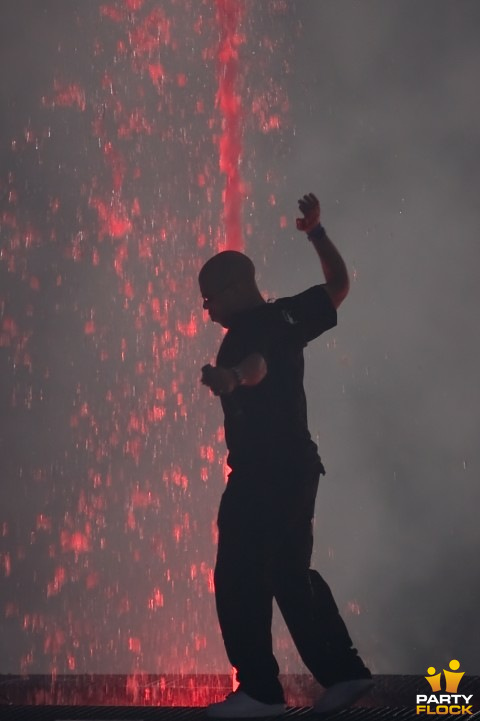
x,y
264,552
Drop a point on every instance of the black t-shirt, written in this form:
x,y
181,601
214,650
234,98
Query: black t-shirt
x,y
267,423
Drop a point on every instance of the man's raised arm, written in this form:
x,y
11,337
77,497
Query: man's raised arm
x,y
336,276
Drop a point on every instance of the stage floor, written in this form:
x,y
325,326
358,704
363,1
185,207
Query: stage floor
x,y
148,697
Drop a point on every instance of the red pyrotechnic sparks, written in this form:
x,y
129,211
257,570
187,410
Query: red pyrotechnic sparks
x,y
107,212
229,16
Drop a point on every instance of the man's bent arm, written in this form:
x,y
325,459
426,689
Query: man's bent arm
x,y
333,266
249,372
334,269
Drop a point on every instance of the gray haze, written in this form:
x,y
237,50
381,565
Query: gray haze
x,y
384,126
388,129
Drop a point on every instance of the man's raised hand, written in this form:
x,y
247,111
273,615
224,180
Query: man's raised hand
x,y
309,205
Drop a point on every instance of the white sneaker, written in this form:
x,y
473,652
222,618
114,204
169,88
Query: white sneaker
x,y
241,705
343,694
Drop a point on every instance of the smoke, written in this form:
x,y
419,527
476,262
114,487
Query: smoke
x,y
387,131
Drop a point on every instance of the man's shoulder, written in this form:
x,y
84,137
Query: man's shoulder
x,y
314,297
308,313
310,293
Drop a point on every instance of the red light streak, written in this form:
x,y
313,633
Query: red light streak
x,y
229,16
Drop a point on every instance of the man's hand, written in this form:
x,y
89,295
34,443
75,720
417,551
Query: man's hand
x,y
220,380
310,207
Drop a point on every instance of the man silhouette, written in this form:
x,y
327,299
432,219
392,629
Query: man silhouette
x,y
266,511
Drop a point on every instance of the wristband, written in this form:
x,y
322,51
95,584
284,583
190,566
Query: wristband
x,y
317,233
241,380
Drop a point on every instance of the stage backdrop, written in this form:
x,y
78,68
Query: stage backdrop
x,y
137,138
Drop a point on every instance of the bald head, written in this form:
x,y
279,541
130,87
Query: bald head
x,y
227,284
230,266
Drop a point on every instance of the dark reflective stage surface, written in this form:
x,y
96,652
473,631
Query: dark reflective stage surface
x,y
168,697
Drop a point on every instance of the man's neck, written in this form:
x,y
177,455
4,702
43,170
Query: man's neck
x,y
249,304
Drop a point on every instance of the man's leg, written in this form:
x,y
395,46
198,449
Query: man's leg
x,y
243,590
304,598
318,630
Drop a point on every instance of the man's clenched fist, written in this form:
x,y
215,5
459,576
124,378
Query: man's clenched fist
x,y
219,380
310,207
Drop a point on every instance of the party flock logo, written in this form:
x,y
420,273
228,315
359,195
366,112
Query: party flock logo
x,y
440,703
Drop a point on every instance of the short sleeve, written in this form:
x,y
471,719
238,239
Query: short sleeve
x,y
305,316
272,328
